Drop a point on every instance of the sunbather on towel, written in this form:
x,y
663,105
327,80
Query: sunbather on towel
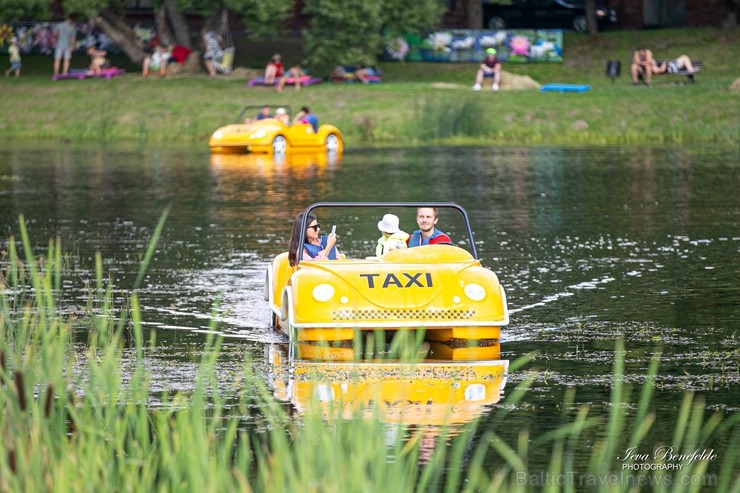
x,y
98,60
296,72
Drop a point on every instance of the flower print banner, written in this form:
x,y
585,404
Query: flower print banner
x,y
469,45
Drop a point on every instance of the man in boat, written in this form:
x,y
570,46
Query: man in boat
x,y
428,234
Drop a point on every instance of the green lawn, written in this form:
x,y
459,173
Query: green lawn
x,y
410,107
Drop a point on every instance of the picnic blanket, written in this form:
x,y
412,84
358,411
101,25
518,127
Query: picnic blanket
x,y
305,81
80,74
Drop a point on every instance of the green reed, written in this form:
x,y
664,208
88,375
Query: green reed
x,y
76,417
436,119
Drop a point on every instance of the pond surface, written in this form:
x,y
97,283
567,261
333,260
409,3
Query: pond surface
x,y
591,244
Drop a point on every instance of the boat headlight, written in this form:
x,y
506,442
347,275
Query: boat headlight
x,y
323,292
218,134
258,134
475,392
474,291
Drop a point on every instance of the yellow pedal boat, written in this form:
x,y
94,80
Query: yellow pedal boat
x,y
272,136
440,289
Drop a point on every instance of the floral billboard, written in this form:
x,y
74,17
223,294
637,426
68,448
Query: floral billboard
x,y
469,45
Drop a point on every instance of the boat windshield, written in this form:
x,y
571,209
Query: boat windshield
x,y
358,227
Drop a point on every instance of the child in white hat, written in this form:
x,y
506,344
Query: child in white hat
x,y
393,238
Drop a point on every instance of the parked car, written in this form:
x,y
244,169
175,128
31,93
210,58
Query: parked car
x,y
547,14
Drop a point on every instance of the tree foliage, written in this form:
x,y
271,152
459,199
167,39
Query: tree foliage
x,y
24,10
406,16
261,17
90,8
343,31
347,32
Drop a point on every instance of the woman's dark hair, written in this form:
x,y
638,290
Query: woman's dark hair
x,y
295,238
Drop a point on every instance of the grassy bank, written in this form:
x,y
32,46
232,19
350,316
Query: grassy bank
x,y
414,105
76,417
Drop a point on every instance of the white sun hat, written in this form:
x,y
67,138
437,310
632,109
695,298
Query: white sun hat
x,y
389,224
281,111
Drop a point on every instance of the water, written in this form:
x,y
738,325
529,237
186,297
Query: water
x,y
592,245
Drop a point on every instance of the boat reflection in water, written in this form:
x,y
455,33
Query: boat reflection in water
x,y
447,388
260,161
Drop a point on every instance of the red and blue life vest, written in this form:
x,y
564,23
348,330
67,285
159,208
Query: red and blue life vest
x,y
436,237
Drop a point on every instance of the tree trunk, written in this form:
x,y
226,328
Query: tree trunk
x,y
475,14
121,33
164,32
178,23
591,18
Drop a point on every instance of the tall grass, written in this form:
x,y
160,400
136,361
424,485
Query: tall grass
x,y
437,119
73,421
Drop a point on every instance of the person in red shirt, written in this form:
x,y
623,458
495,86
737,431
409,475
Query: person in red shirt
x,y
274,69
491,67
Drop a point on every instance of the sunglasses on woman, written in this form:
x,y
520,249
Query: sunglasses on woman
x,y
315,227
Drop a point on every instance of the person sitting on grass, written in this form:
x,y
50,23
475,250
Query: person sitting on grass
x,y
491,67
156,61
343,73
643,64
98,60
274,69
214,52
296,72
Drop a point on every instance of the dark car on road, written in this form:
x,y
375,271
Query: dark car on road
x,y
544,14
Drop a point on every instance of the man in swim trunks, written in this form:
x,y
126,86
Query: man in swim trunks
x,y
65,36
642,63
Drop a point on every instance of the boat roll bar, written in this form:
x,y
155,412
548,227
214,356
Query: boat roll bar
x,y
441,205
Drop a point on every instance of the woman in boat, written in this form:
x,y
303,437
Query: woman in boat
x,y
316,246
